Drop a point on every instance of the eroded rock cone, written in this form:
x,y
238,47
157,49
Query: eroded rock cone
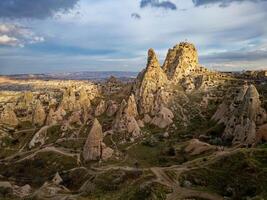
x,y
181,61
148,83
241,116
93,146
112,108
68,102
101,108
8,117
131,108
39,114
55,117
125,121
85,103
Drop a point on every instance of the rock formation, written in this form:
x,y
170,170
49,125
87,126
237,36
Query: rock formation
x,y
148,83
163,118
101,108
94,148
55,117
131,108
196,147
39,137
241,116
68,102
39,114
125,121
112,108
181,61
85,103
8,117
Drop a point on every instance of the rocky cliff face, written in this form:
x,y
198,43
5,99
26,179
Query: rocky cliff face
x,y
8,117
181,61
92,148
149,82
95,148
241,116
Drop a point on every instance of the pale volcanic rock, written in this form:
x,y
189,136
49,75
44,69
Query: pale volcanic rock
x,y
55,117
8,117
262,133
39,114
85,103
75,118
112,108
107,152
126,123
196,147
101,108
68,102
163,118
147,119
93,145
241,116
133,127
148,83
131,108
181,60
39,137
57,179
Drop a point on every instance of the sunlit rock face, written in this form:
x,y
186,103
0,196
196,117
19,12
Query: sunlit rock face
x,y
92,147
39,114
8,117
149,82
241,116
125,120
181,61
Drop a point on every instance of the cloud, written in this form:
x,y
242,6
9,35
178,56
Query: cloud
x,y
135,16
158,4
15,35
222,3
39,9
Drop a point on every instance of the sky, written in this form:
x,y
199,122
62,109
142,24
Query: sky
x,y
50,36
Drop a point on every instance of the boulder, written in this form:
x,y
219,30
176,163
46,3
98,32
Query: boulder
x,y
196,147
163,118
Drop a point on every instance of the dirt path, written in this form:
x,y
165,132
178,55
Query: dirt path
x,y
53,149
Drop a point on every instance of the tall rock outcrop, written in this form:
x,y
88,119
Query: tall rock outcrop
x,y
125,120
131,108
241,116
39,114
92,148
68,102
85,103
8,117
148,83
101,108
181,60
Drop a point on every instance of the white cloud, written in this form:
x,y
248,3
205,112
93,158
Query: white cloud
x,y
15,35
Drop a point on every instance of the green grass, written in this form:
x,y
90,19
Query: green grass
x,y
239,175
41,168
